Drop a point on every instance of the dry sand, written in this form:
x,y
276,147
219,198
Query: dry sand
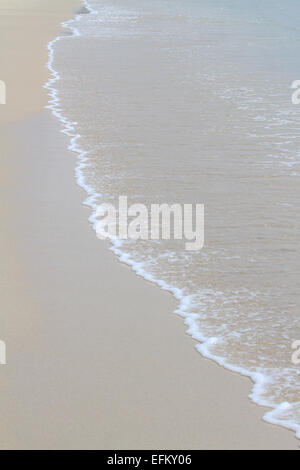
x,y
96,359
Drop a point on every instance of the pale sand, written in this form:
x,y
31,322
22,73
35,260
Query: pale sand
x,y
96,359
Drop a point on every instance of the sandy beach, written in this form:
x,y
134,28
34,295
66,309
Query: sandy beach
x,y
96,358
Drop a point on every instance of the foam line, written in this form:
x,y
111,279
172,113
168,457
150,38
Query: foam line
x,y
276,414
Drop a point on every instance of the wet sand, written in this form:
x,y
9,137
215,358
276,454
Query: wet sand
x,y
96,358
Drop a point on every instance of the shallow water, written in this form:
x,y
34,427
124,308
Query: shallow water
x,y
190,102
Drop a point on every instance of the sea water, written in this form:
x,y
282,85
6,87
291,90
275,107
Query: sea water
x,y
189,101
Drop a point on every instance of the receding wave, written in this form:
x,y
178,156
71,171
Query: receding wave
x,y
169,101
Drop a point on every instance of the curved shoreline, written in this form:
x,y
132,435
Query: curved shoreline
x,y
182,309
75,320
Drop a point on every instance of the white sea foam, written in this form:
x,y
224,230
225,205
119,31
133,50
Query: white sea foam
x,y
280,414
